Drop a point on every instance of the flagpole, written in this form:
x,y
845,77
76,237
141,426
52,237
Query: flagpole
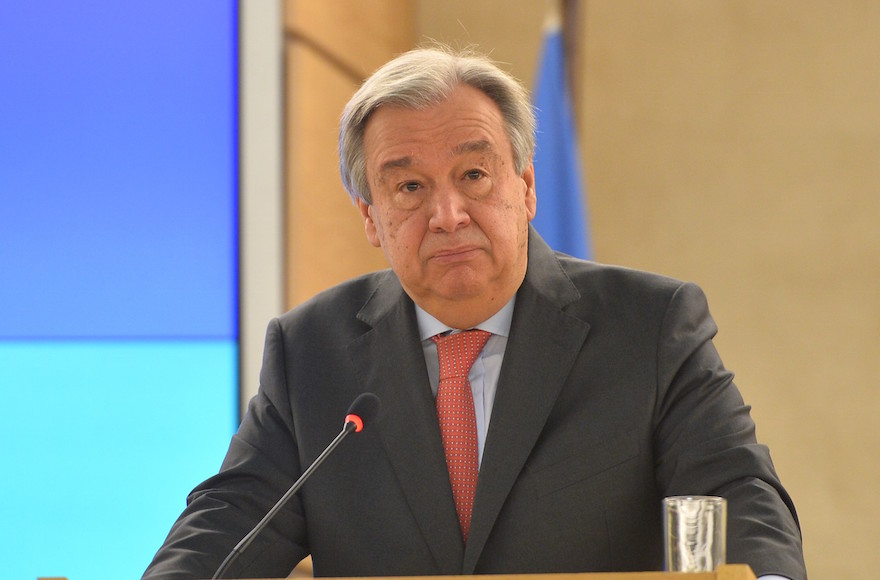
x,y
553,15
570,13
563,15
561,212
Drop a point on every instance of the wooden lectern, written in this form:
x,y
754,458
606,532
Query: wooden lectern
x,y
724,572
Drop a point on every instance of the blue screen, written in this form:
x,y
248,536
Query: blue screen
x,y
102,441
118,157
118,275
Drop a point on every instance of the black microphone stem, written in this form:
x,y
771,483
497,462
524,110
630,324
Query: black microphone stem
x,y
246,541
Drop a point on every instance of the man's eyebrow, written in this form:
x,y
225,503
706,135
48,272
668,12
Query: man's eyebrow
x,y
478,146
398,163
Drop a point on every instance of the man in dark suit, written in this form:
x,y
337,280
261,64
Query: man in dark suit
x,y
596,393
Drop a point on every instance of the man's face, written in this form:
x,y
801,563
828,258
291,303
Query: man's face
x,y
449,210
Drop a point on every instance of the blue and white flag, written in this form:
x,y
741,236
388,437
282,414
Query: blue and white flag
x,y
561,217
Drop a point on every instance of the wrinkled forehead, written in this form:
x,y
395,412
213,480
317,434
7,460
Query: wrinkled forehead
x,y
467,149
467,123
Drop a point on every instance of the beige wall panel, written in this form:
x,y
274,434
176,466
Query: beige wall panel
x,y
509,31
330,46
737,144
361,34
325,235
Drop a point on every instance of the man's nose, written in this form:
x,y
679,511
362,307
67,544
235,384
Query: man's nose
x,y
448,209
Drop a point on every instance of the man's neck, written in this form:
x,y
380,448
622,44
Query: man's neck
x,y
498,324
467,312
462,315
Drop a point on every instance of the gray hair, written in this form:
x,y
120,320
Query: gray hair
x,y
420,79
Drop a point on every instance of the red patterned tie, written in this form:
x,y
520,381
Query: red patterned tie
x,y
455,411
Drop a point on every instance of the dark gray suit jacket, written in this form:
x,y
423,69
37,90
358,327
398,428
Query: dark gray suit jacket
x,y
611,396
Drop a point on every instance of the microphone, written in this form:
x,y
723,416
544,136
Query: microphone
x,y
361,412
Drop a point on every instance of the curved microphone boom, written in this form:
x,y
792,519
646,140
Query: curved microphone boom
x,y
361,413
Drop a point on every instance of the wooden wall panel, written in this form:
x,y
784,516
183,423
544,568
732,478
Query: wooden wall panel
x,y
362,35
511,37
330,47
325,236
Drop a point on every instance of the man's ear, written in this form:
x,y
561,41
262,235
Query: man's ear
x,y
531,199
369,225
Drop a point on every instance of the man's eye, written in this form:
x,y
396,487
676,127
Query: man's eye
x,y
473,174
410,186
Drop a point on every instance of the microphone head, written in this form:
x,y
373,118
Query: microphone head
x,y
362,411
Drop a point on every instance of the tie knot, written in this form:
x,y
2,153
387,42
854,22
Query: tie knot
x,y
457,352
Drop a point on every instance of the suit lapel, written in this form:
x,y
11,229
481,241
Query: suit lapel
x,y
543,345
390,363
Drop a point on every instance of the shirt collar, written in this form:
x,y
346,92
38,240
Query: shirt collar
x,y
498,324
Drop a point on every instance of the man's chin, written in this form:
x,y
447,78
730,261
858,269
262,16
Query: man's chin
x,y
461,284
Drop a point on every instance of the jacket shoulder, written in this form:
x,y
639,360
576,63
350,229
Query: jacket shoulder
x,y
603,281
338,305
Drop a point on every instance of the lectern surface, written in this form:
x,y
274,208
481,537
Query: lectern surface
x,y
725,572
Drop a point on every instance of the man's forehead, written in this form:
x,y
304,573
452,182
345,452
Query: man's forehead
x,y
479,146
